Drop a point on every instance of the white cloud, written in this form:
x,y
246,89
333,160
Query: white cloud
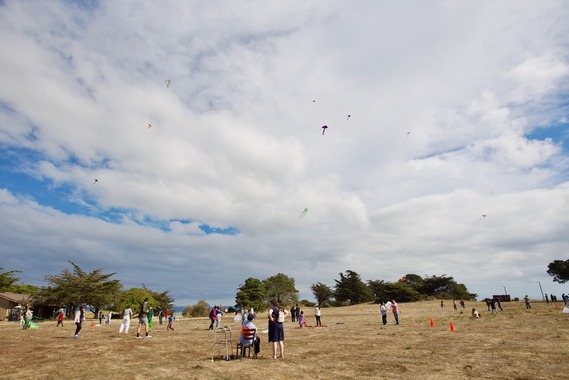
x,y
442,98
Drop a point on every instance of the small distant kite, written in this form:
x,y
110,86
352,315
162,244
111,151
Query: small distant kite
x,y
149,126
407,135
314,101
303,213
324,127
168,81
349,117
96,180
484,215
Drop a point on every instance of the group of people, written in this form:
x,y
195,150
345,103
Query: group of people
x,y
297,315
389,305
276,316
145,315
215,315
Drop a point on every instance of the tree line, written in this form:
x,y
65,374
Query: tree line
x,y
72,288
96,289
349,289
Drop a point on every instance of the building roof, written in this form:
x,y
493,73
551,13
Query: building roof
x,y
15,297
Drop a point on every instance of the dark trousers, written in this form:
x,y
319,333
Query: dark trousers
x,y
78,327
384,319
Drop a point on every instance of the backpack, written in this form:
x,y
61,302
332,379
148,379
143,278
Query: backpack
x,y
281,316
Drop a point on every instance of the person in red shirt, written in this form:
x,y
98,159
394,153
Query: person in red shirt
x,y
395,309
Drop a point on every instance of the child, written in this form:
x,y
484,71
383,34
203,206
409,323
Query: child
x,y
170,327
301,319
59,319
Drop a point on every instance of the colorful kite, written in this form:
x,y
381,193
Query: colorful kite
x,y
149,126
303,213
324,127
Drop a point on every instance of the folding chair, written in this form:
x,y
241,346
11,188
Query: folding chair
x,y
249,336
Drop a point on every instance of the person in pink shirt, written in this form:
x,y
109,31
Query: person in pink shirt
x,y
395,310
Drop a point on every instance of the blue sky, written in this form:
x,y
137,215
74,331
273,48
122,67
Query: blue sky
x,y
457,110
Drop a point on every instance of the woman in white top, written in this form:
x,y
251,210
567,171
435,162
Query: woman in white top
x,y
317,315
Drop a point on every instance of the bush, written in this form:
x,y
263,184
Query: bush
x,y
200,309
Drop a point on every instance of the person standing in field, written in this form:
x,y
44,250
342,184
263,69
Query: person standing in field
x,y
143,319
383,311
293,313
125,323
160,315
395,309
101,316
59,319
79,319
212,317
493,306
276,329
218,316
526,299
317,314
150,316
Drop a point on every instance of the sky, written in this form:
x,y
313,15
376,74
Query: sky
x,y
177,143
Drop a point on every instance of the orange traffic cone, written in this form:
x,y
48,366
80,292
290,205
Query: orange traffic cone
x,y
451,327
432,323
93,324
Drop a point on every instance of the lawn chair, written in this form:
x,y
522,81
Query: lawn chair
x,y
249,336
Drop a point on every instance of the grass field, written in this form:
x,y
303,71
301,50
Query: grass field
x,y
517,344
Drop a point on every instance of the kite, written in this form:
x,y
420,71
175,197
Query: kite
x,y
314,101
303,213
407,135
324,127
349,117
484,215
149,126
168,81
96,180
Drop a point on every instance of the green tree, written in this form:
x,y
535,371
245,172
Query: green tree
x,y
377,288
323,293
444,287
162,299
559,270
251,293
79,287
281,287
350,288
401,292
7,279
133,298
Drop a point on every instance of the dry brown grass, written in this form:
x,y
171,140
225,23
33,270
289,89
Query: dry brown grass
x,y
517,344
